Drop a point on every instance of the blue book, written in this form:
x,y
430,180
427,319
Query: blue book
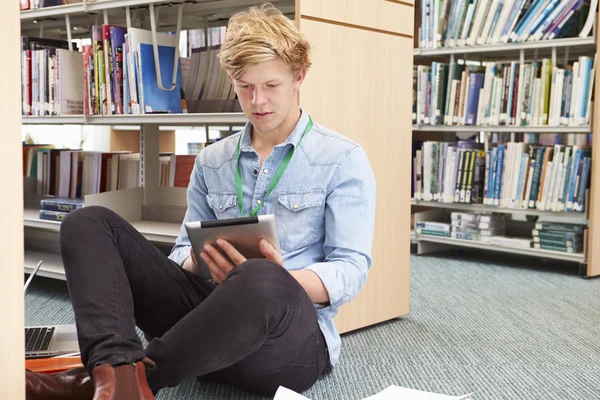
x,y
475,85
563,196
117,42
52,215
583,184
498,184
156,100
532,11
530,29
63,204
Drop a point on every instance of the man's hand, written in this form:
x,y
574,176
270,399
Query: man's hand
x,y
270,253
224,258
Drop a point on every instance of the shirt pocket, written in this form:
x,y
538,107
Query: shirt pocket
x,y
300,218
224,204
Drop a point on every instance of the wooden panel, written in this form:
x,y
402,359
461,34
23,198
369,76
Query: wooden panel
x,y
353,90
384,15
130,140
12,340
593,256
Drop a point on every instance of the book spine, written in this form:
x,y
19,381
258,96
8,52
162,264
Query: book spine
x,y
52,215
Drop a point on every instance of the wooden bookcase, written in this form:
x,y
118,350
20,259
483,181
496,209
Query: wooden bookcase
x,y
360,71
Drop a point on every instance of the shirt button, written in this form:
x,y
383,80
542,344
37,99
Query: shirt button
x,y
258,201
255,172
221,207
266,171
295,206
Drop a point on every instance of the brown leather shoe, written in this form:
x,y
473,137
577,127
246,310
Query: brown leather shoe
x,y
125,382
74,384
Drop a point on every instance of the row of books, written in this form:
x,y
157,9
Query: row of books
x,y
511,175
120,72
490,229
206,79
73,173
116,74
35,4
51,77
57,208
512,94
476,22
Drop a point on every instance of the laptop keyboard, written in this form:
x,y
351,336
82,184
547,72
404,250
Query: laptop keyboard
x,y
38,339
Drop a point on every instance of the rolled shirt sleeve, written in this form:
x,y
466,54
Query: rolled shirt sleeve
x,y
349,230
197,210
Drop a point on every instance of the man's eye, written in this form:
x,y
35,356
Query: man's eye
x,y
272,85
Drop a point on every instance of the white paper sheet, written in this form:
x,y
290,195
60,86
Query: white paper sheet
x,y
397,392
391,393
284,393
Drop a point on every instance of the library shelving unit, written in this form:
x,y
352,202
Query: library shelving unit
x,y
562,49
347,89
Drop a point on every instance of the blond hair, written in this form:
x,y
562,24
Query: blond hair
x,y
262,34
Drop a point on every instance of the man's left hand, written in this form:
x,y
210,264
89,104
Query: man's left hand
x,y
220,266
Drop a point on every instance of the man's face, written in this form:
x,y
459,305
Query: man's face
x,y
268,94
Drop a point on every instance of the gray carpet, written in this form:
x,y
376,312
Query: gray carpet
x,y
478,323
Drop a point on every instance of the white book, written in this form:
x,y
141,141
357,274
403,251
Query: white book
x,y
70,81
507,8
574,93
489,19
478,21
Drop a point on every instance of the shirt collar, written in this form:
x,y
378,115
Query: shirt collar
x,y
246,144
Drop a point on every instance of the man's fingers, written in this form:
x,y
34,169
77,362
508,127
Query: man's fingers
x,y
222,262
231,252
216,272
270,253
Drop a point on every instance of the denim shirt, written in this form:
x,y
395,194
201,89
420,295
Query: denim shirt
x,y
324,205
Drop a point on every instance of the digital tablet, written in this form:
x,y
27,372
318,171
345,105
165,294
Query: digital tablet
x,y
243,233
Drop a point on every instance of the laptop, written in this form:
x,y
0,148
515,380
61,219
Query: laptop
x,y
49,341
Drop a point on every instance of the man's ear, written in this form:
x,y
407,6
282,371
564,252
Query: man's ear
x,y
299,79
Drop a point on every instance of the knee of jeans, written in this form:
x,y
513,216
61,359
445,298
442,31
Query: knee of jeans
x,y
267,279
84,215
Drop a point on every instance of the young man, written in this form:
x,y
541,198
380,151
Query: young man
x,y
260,323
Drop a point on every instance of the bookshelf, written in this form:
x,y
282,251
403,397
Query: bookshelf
x,y
356,35
486,51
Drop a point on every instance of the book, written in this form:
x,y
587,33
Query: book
x,y
61,204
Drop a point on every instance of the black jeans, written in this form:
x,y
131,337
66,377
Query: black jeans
x,y
257,330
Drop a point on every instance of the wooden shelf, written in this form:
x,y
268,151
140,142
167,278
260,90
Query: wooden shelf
x,y
160,232
575,45
502,128
573,217
574,257
160,119
52,265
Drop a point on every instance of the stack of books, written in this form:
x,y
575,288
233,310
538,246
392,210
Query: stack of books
x,y
567,238
433,228
57,208
477,227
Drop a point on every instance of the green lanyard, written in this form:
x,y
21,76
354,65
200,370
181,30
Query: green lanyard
x,y
274,181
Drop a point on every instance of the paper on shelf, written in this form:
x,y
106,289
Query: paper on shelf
x,y
391,393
